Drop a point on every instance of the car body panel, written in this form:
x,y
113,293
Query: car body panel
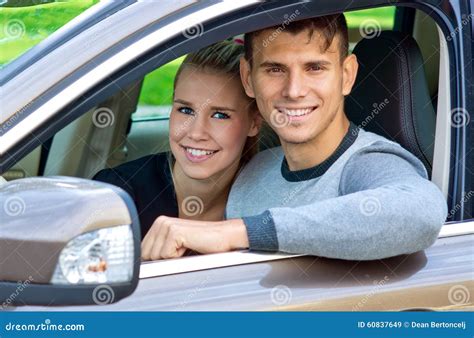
x,y
420,280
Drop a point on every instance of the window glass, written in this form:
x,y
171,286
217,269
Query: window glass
x,y
369,22
25,23
156,95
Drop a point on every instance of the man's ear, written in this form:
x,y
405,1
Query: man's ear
x,y
245,76
255,124
349,73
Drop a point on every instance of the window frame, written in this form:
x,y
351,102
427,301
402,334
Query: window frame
x,y
217,28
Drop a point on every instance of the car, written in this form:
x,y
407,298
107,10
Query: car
x,y
70,107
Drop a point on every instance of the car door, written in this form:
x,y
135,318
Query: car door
x,y
243,280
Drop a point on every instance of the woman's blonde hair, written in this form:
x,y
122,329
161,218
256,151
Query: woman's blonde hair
x,y
223,57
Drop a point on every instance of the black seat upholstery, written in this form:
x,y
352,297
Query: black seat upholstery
x,y
391,97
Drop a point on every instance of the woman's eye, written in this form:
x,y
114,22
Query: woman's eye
x,y
220,115
186,110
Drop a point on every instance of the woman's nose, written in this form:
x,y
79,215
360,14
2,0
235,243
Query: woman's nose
x,y
198,128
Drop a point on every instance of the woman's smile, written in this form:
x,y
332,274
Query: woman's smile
x,y
197,155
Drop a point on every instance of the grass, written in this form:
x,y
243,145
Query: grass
x,y
23,27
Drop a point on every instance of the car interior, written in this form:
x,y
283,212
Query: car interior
x,y
409,57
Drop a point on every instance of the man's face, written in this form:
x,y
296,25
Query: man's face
x,y
299,87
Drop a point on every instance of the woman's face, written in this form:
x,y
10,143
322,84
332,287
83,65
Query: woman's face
x,y
209,123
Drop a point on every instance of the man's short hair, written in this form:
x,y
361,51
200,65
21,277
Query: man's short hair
x,y
328,26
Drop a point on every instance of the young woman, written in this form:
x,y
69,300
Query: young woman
x,y
212,133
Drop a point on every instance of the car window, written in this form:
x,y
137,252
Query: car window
x,y
26,23
369,23
156,95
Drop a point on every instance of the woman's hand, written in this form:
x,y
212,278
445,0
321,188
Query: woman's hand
x,y
169,237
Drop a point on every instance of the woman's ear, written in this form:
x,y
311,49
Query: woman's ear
x,y
255,123
245,77
349,73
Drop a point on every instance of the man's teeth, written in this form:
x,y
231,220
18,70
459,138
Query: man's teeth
x,y
297,112
199,152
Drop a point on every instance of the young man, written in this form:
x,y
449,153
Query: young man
x,y
331,189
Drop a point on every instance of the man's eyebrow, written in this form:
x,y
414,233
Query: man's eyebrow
x,y
270,64
212,107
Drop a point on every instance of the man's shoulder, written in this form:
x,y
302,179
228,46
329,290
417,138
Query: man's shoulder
x,y
266,158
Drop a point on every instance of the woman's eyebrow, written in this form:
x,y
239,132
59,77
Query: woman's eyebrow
x,y
222,108
183,102
212,107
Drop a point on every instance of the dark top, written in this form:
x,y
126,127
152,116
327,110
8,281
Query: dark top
x,y
148,181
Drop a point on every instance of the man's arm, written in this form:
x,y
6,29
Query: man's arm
x,y
387,207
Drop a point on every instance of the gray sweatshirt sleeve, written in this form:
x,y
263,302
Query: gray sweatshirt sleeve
x,y
386,207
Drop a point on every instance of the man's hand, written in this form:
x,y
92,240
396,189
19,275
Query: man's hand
x,y
169,237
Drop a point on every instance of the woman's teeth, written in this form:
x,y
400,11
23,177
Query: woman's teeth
x,y
296,112
199,152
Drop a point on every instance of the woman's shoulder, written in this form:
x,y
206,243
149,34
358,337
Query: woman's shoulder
x,y
139,168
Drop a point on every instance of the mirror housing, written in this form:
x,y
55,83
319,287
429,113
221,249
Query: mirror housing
x,y
67,241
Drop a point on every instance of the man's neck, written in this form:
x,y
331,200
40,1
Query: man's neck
x,y
307,155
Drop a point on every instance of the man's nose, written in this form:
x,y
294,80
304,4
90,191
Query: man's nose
x,y
296,86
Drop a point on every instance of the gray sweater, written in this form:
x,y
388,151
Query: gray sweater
x,y
370,199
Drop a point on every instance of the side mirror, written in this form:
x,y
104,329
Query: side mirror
x,y
67,241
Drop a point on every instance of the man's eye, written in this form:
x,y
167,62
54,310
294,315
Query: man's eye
x,y
220,115
316,68
274,70
186,110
